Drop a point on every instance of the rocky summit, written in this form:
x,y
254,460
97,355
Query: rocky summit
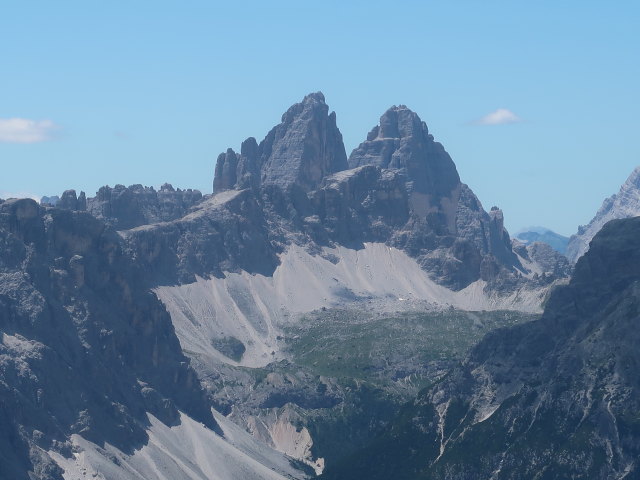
x,y
302,150
624,204
553,398
399,187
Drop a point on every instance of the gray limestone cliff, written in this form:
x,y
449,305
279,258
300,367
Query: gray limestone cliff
x,y
84,347
304,148
225,232
447,229
127,207
624,204
402,142
71,201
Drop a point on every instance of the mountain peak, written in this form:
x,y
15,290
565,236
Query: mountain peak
x,y
402,141
624,204
399,122
304,148
314,97
633,180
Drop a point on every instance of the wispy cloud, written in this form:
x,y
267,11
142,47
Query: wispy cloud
x,y
23,130
500,116
4,194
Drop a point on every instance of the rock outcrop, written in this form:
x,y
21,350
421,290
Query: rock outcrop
x,y
543,259
50,201
399,187
128,207
71,201
84,347
624,204
553,398
402,142
226,232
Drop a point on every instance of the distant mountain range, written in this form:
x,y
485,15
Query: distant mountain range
x,y
541,234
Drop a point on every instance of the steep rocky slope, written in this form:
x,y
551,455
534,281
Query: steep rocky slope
x,y
624,204
554,398
303,149
88,355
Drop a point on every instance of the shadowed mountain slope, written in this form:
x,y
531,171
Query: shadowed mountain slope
x,y
554,398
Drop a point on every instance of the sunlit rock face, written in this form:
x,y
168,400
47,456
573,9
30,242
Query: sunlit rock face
x,y
304,148
624,204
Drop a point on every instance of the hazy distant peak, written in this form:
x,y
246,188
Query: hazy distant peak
x,y
542,234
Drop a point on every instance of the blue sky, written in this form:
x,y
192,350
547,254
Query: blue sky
x,y
150,92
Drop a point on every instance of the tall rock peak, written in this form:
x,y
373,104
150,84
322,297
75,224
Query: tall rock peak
x,y
399,186
303,149
401,122
226,176
306,147
402,141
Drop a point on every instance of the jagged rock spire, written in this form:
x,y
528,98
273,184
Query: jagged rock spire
x,y
303,149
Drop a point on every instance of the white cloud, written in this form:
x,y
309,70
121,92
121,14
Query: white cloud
x,y
23,130
501,116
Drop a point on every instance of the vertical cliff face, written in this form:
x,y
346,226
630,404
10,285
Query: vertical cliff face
x,y
402,142
448,230
84,348
554,398
303,149
624,204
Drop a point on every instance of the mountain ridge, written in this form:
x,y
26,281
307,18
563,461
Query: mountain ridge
x,y
624,204
405,192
